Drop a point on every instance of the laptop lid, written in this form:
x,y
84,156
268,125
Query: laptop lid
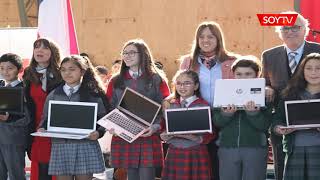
x,y
239,92
72,117
303,113
188,120
11,100
139,106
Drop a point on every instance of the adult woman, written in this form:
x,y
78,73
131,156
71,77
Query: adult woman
x,y
211,61
40,77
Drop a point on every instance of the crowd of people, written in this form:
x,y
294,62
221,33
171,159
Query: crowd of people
x,y
237,149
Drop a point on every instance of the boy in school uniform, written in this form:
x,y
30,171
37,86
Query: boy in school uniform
x,y
13,128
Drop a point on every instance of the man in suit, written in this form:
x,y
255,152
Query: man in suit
x,y
279,64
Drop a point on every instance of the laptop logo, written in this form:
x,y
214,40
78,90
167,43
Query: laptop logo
x,y
239,91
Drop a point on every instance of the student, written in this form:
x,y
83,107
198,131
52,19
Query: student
x,y
84,156
13,128
40,77
187,156
138,72
102,72
242,142
302,146
115,68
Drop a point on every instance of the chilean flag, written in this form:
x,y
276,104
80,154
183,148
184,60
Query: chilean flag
x,y
55,21
310,10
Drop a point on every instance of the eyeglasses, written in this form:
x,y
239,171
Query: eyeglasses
x,y
129,54
295,28
185,83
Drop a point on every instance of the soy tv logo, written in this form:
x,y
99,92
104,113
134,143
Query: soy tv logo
x,y
277,19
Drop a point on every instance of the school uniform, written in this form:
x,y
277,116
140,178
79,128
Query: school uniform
x,y
144,151
74,157
302,147
243,144
13,140
186,159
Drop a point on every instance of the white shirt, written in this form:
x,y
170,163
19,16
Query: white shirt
x,y
67,91
13,83
189,100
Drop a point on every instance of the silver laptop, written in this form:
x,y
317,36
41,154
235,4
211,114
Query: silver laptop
x,y
188,120
239,92
70,120
303,113
133,115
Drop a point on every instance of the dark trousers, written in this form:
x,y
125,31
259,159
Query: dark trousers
x,y
278,155
213,152
43,172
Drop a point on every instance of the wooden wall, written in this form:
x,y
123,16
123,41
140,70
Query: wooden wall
x,y
168,26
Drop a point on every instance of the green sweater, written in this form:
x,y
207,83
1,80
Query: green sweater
x,y
243,129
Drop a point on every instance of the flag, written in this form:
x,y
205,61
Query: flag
x,y
55,21
310,10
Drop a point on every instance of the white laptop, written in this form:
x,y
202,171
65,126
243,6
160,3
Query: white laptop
x,y
239,92
70,120
303,113
133,115
188,120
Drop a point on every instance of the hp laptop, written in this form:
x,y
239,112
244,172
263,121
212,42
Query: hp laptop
x,y
303,113
239,92
188,120
11,100
70,120
133,115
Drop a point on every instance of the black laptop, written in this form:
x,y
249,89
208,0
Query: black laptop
x,y
11,100
303,113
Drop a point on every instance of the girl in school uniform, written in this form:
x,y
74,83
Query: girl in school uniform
x,y
138,72
187,156
242,139
70,158
302,146
40,77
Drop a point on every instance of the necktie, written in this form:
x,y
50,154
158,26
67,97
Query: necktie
x,y
71,90
2,83
292,62
183,103
135,75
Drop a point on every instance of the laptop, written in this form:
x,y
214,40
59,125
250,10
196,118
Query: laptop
x,y
133,115
70,120
303,113
239,92
188,120
11,100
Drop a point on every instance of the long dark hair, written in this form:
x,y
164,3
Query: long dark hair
x,y
191,74
298,83
90,81
221,53
146,64
30,73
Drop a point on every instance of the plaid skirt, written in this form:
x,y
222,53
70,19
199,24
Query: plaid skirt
x,y
76,158
143,152
303,163
187,164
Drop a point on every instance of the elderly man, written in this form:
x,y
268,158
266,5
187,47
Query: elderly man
x,y
279,64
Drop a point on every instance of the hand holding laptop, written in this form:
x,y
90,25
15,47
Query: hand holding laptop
x,y
283,130
4,117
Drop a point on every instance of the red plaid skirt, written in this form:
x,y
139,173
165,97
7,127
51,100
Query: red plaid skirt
x,y
187,164
143,152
